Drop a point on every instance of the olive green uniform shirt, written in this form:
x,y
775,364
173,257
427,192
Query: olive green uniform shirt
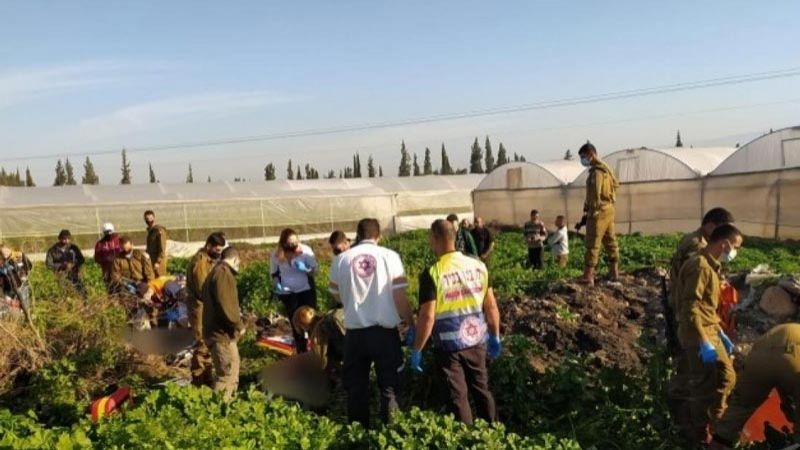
x,y
601,188
698,299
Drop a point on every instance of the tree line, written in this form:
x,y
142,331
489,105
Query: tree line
x,y
482,160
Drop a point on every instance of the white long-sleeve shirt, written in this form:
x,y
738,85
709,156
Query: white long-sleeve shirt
x,y
292,279
559,241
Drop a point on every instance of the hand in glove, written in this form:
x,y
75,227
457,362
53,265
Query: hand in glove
x,y
726,342
172,315
494,347
280,289
411,334
416,360
300,265
707,353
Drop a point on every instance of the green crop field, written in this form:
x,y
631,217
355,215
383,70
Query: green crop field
x,y
44,392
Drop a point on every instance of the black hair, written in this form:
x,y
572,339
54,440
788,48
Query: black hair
x,y
587,149
149,212
534,211
724,232
368,228
215,239
718,216
337,237
64,234
452,218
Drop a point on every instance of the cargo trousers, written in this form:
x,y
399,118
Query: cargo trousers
x,y
709,384
773,366
201,364
225,356
600,230
465,372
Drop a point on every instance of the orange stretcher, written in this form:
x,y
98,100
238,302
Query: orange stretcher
x,y
769,412
109,404
282,345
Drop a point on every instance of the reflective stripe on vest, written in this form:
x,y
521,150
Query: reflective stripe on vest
x,y
461,285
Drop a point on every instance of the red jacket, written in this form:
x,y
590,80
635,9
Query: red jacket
x,y
105,250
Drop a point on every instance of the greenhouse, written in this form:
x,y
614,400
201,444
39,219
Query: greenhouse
x,y
508,193
33,216
667,190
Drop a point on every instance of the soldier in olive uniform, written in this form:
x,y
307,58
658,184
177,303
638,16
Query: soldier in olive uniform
x,y
130,267
706,347
222,322
156,244
196,273
599,214
689,245
773,363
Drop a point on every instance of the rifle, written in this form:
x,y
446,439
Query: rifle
x,y
581,224
669,318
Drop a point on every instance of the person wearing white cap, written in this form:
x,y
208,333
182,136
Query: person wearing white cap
x,y
106,249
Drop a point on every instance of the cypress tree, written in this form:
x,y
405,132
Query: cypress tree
x,y
446,169
289,171
152,174
89,175
475,157
489,159
427,167
29,178
416,166
70,173
568,155
269,172
371,167
299,175
678,141
405,163
61,175
502,157
125,169
190,175
380,171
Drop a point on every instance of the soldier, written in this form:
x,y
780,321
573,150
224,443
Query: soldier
x,y
459,311
65,258
196,273
325,336
706,347
690,244
599,212
222,322
130,268
773,363
156,243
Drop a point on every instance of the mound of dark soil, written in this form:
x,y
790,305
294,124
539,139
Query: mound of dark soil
x,y
605,323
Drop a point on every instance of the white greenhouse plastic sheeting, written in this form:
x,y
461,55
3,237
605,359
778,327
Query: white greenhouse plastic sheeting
x,y
652,164
532,175
260,208
668,190
773,151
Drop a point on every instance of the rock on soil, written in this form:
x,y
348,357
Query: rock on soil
x,y
776,302
606,323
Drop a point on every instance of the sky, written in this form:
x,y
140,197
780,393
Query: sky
x,y
88,78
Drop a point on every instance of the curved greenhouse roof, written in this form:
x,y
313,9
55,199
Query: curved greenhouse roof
x,y
528,175
773,151
158,192
654,164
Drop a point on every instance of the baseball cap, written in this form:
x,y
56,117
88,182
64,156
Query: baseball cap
x,y
108,227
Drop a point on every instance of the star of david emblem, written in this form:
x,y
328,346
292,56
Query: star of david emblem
x,y
364,265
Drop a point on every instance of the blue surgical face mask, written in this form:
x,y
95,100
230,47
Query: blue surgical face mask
x,y
585,162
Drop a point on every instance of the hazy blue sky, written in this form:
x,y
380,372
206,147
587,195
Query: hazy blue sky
x,y
89,76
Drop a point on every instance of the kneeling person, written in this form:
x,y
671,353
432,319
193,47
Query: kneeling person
x,y
325,336
457,305
773,363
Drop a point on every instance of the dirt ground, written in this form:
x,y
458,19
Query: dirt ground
x,y
604,322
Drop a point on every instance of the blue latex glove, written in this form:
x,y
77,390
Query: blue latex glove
x,y
411,334
280,289
416,360
726,342
300,265
708,353
494,347
132,288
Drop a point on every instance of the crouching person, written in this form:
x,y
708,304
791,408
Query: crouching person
x,y
222,322
457,308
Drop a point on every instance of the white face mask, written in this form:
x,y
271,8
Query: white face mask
x,y
728,256
585,162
